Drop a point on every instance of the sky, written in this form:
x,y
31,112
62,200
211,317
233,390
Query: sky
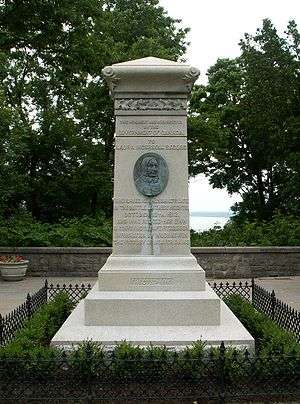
x,y
216,29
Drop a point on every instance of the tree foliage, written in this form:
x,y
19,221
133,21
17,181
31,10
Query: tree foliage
x,y
56,118
244,124
281,230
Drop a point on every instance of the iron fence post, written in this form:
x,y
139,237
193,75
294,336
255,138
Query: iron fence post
x,y
46,290
273,304
252,289
1,330
29,306
89,355
222,373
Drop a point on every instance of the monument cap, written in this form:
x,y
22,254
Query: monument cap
x,y
150,74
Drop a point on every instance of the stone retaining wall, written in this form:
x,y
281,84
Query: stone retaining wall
x,y
218,262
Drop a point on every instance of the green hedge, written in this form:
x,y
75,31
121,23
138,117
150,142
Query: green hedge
x,y
280,231
23,231
34,338
269,337
29,354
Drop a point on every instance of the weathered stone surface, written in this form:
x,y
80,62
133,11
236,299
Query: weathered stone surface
x,y
151,226
178,337
218,262
151,278
152,126
150,308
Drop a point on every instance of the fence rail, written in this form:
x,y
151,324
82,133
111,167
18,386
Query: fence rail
x,y
15,320
174,377
281,313
218,374
75,292
225,289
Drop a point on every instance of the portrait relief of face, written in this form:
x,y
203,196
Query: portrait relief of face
x,y
150,168
150,174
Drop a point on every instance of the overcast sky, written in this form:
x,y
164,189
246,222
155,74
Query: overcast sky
x,y
216,29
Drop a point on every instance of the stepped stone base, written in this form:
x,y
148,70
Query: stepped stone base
x,y
230,331
137,273
152,308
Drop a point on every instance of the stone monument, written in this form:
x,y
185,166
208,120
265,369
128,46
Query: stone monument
x,y
151,289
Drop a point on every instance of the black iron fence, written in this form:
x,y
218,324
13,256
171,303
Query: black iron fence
x,y
15,320
214,375
75,292
241,288
285,316
220,374
281,313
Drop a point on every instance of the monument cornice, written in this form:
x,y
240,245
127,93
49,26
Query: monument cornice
x,y
150,74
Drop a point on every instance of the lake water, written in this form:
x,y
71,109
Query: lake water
x,y
201,223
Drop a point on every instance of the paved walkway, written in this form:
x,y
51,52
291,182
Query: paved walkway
x,y
14,293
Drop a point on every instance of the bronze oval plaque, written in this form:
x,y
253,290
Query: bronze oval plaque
x,y
151,174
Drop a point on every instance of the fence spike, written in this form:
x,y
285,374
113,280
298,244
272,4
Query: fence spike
x,y
222,349
247,354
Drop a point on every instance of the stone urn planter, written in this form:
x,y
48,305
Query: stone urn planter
x,y
13,268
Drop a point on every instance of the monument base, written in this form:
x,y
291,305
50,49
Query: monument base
x,y
149,273
152,308
230,331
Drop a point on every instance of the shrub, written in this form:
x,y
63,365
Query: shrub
x,y
29,354
88,361
24,231
270,338
34,338
280,231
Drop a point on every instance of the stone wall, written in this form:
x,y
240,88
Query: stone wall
x,y
218,262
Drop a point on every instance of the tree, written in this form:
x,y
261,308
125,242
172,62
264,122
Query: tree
x,y
244,124
57,121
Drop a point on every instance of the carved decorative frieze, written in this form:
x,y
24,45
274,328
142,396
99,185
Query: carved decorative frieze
x,y
143,104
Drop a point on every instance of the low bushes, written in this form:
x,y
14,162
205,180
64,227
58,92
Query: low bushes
x,y
34,338
29,354
269,337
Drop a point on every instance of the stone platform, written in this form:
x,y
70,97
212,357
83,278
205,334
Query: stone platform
x,y
154,308
229,330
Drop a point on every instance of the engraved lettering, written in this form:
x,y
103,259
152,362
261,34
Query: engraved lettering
x,y
151,281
